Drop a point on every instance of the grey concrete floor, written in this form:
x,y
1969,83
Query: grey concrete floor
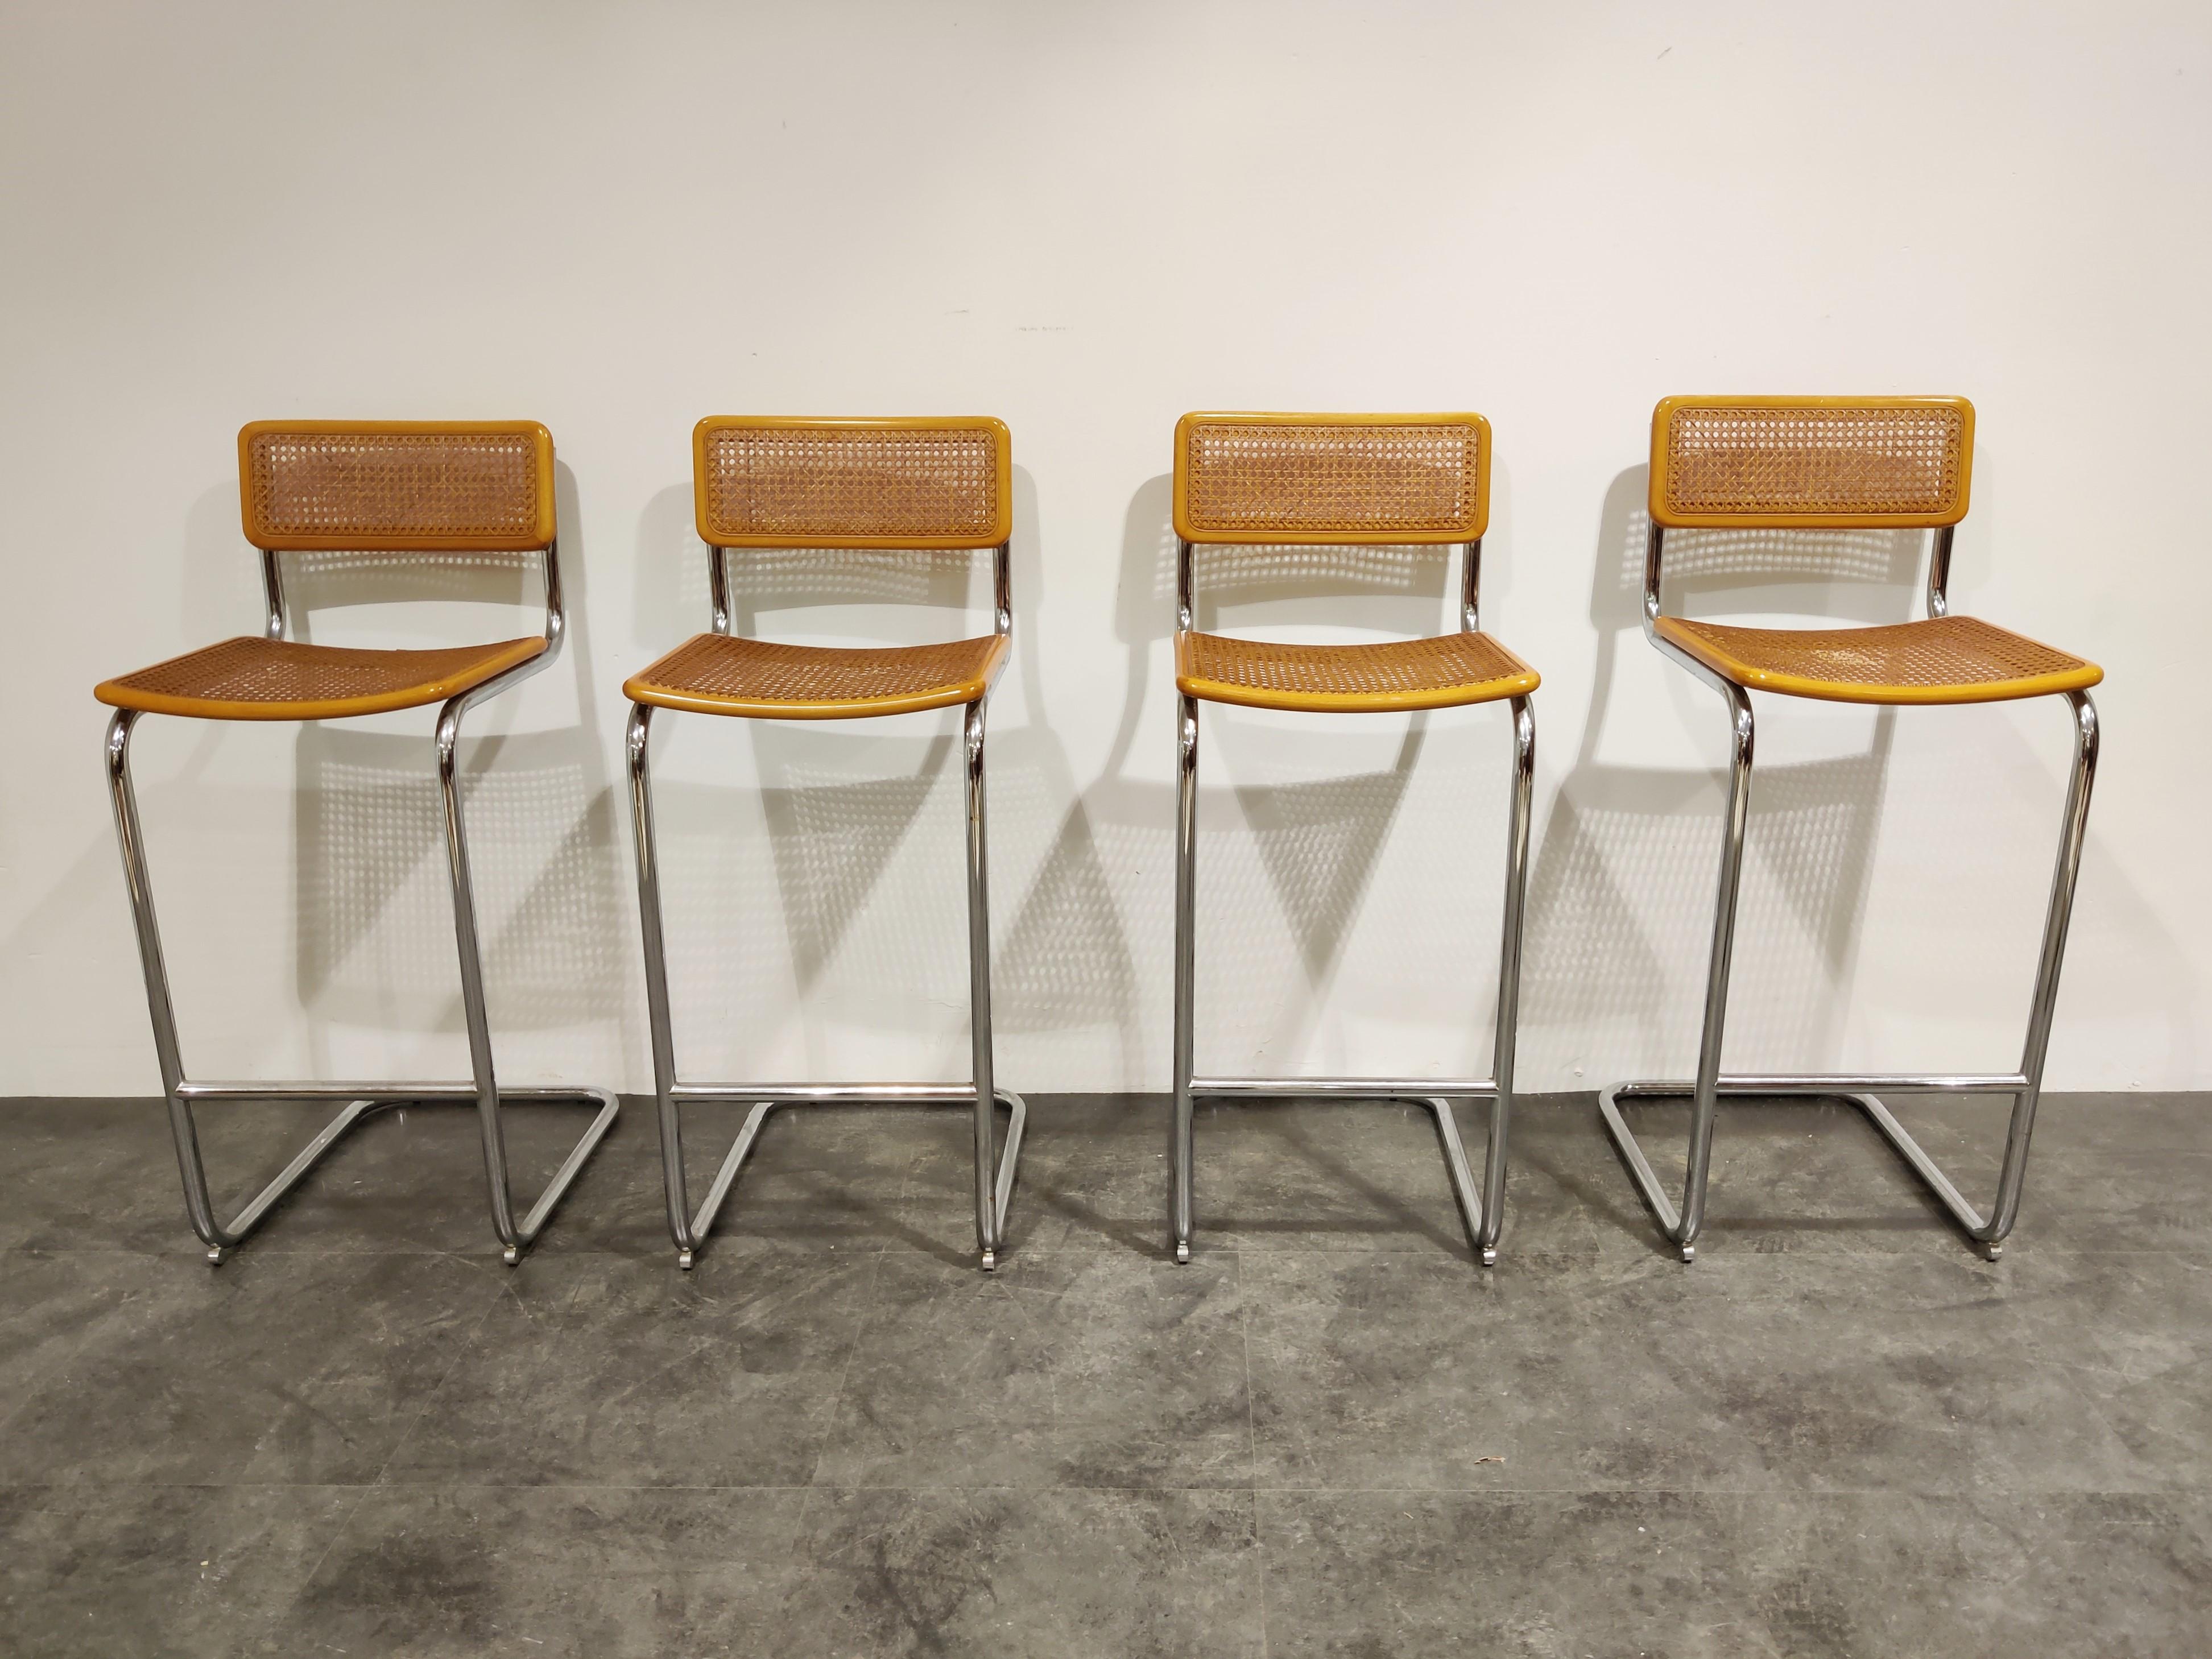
x,y
1840,1433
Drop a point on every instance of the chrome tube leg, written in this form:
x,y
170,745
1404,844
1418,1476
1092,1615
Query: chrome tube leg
x,y
1509,978
639,743
2074,829
987,1238
472,990
131,842
1706,1098
515,1236
1180,1147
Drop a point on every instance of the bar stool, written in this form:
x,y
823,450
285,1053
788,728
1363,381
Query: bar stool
x,y
908,485
1347,481
377,487
1824,464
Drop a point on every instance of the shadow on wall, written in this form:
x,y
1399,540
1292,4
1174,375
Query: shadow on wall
x,y
1621,896
1064,983
373,898
860,822
1287,858
863,927
858,854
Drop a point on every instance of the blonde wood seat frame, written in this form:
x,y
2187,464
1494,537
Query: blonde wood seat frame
x,y
1842,462
1344,481
373,486
765,482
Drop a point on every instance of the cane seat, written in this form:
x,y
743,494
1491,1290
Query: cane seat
x,y
719,674
254,678
1943,660
1448,672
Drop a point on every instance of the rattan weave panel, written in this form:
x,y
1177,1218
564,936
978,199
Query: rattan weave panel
x,y
1943,660
368,489
1449,670
255,678
1759,459
1363,483
718,673
925,483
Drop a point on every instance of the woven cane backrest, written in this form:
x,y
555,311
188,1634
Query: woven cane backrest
x,y
395,486
1340,479
1811,463
922,483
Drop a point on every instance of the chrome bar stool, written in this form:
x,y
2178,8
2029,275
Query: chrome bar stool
x,y
1344,481
1826,463
908,485
376,487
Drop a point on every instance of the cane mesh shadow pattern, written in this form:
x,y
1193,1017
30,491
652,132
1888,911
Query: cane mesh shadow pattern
x,y
374,921
1718,558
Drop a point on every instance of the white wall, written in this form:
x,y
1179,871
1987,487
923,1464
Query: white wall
x,y
1086,220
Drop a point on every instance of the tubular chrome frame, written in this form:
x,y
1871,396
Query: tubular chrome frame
x,y
1482,1212
363,1098
994,1169
1711,1084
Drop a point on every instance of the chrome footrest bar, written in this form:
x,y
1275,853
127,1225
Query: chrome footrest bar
x,y
1462,1179
571,1166
725,1177
825,1093
1344,1088
1435,1094
1968,1217
234,1232
1639,1167
768,1100
1889,1083
363,1099
1839,1086
391,1094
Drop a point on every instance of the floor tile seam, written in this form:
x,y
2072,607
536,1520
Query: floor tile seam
x,y
2006,1494
1822,1494
196,1252
1568,1256
1105,1247
1505,1258
489,1254
836,1489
